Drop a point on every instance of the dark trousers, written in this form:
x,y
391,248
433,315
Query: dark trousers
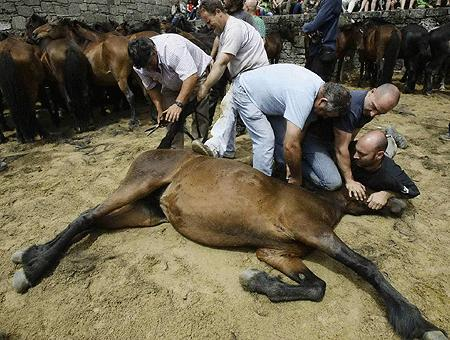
x,y
324,69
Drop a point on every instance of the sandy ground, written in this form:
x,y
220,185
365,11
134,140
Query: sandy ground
x,y
154,283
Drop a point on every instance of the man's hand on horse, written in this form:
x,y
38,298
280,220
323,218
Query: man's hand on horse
x,y
202,92
378,200
356,189
172,113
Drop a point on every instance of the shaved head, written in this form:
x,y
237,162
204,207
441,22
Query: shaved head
x,y
369,150
374,140
388,95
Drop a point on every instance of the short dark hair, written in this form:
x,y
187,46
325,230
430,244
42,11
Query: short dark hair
x,y
338,98
140,51
210,6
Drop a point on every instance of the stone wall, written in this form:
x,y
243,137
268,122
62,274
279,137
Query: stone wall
x,y
13,13
294,53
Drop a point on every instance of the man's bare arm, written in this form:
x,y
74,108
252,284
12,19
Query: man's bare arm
x,y
342,141
216,73
293,152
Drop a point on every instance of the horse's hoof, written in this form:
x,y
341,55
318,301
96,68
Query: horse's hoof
x,y
17,257
248,279
434,335
20,282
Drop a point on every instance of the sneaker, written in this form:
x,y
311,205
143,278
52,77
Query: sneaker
x,y
229,155
399,139
202,149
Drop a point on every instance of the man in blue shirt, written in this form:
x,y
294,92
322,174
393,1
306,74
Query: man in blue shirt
x,y
328,138
321,56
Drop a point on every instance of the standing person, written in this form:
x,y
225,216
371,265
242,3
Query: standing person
x,y
240,49
277,104
171,69
331,139
250,7
321,56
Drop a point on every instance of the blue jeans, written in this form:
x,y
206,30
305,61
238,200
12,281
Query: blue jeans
x,y
266,131
318,164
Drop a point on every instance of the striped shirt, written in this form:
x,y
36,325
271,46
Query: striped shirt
x,y
178,59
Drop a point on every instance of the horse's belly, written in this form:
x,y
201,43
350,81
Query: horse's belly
x,y
221,218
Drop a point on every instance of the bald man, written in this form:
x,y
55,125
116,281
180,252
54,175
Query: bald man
x,y
326,141
373,169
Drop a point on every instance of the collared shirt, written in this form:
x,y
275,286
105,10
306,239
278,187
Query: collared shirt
x,y
243,42
178,59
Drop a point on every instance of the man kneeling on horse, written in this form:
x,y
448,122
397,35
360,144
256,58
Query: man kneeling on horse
x,y
171,69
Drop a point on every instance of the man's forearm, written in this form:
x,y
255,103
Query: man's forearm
x,y
156,98
187,88
216,73
344,163
293,156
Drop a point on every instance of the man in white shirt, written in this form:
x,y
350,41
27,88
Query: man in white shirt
x,y
277,103
240,49
171,69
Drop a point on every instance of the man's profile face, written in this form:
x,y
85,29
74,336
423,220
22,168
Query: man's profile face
x,y
211,19
374,105
364,156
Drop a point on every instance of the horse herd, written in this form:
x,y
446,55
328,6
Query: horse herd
x,y
70,67
379,44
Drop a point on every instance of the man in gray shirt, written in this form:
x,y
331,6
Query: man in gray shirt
x,y
241,49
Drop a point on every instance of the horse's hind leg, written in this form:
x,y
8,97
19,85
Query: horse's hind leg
x,y
404,317
143,178
310,287
125,88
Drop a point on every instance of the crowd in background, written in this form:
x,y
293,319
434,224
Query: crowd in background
x,y
279,7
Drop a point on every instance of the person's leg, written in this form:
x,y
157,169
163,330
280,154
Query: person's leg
x,y
223,133
318,165
169,98
259,129
351,6
201,117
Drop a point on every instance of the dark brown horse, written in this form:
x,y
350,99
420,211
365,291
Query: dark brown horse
x,y
380,48
67,66
22,76
348,41
274,41
223,203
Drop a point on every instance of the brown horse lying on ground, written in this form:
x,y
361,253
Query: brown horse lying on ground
x,y
223,203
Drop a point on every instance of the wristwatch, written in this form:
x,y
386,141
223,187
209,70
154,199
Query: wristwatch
x,y
179,104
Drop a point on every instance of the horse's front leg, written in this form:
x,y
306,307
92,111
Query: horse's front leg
x,y
309,287
404,317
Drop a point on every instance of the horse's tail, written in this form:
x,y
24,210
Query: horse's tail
x,y
17,98
77,73
390,56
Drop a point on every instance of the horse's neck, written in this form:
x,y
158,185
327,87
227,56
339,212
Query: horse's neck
x,y
89,35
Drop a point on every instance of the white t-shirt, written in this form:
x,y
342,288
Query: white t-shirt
x,y
243,42
286,90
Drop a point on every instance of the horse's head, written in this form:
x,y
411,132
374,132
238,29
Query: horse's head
x,y
123,28
352,206
52,30
32,23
